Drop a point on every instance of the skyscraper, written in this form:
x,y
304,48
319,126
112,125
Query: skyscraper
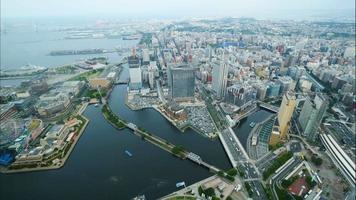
x,y
145,57
285,112
312,114
181,81
135,72
220,72
284,117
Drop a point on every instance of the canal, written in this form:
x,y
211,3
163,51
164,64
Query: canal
x,y
98,168
243,130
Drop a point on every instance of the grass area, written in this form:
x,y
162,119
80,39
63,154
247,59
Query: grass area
x,y
289,182
241,172
182,198
275,147
283,194
112,118
248,189
178,150
87,75
208,192
268,191
316,160
94,93
229,174
67,69
279,161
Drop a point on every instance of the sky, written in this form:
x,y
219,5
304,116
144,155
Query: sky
x,y
173,8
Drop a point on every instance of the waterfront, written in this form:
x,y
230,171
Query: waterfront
x,y
17,48
98,163
243,129
99,166
211,151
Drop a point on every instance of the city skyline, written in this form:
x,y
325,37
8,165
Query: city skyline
x,y
177,99
275,9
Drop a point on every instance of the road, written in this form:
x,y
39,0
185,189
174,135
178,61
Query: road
x,y
277,178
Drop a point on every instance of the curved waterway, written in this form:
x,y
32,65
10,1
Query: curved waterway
x,y
243,130
98,168
210,151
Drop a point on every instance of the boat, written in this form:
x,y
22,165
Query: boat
x,y
96,105
128,153
252,124
140,197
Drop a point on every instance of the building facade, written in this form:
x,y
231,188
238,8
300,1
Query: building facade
x,y
311,115
181,81
220,72
135,73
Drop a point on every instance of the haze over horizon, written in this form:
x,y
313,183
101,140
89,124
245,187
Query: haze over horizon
x,y
274,9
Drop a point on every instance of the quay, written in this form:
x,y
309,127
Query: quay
x,y
63,160
166,145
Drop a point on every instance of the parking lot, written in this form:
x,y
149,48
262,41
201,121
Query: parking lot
x,y
199,118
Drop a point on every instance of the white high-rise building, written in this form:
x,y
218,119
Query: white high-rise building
x,y
135,72
220,72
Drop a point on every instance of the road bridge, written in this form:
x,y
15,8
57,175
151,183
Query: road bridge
x,y
269,107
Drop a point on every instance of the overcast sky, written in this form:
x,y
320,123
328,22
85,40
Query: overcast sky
x,y
171,8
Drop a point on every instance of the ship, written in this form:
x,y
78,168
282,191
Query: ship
x,y
140,197
128,153
80,52
252,124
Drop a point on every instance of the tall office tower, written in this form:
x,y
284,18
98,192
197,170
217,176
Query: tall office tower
x,y
285,112
281,125
220,72
312,114
181,81
135,72
151,75
145,56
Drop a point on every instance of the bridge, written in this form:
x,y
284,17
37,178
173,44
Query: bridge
x,y
246,114
165,145
269,107
197,159
122,82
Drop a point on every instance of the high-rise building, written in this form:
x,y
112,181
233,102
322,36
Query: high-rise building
x,y
312,114
220,72
273,89
261,91
285,112
145,56
181,81
283,118
240,95
286,84
135,72
152,70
